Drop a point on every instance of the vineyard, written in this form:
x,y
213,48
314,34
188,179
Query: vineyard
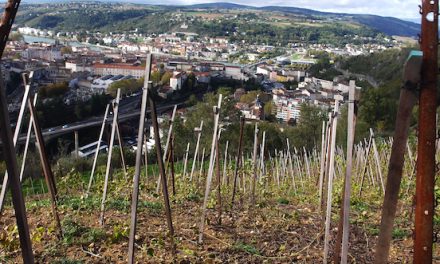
x,y
370,200
285,222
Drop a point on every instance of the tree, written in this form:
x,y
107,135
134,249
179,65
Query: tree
x,y
165,80
127,86
16,36
66,50
155,77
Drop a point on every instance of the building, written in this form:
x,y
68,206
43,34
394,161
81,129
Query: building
x,y
104,82
177,81
125,69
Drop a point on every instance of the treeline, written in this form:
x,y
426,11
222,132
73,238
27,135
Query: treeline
x,y
161,21
378,106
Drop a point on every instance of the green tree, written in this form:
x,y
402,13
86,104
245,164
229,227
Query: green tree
x,y
127,86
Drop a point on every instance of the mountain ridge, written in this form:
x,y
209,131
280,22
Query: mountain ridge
x,y
388,25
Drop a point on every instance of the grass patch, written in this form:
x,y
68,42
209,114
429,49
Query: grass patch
x,y
247,248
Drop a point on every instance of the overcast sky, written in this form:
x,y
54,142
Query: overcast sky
x,y
395,8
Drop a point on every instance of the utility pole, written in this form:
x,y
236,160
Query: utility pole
x,y
425,181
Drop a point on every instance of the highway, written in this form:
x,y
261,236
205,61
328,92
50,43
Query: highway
x,y
126,113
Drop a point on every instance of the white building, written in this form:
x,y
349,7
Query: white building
x,y
118,69
104,82
178,79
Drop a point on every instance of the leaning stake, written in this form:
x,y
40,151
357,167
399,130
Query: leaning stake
x,y
137,172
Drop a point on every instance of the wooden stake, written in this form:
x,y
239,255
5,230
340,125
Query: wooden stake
x,y
237,162
109,158
186,161
330,182
199,134
98,146
137,172
17,131
48,175
12,167
163,177
376,157
170,132
254,164
211,167
344,225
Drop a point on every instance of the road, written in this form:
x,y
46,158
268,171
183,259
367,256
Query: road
x,y
124,115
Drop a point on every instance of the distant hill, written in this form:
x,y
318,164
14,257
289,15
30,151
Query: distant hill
x,y
275,25
388,25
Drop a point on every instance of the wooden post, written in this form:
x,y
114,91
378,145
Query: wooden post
x,y
48,175
12,167
121,147
211,167
172,164
322,163
28,139
199,131
219,187
344,225
162,173
76,137
202,163
237,162
376,157
263,145
367,154
109,157
408,99
254,165
225,164
98,146
330,182
186,161
292,174
27,88
137,172
170,132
